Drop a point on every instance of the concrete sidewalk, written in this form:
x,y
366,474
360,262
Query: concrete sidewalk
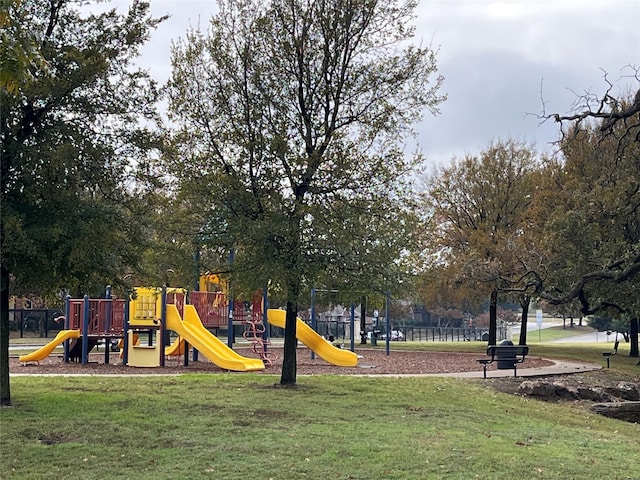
x,y
560,367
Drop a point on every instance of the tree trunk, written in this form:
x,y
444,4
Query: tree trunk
x,y
363,320
289,360
294,285
633,338
524,303
493,317
5,390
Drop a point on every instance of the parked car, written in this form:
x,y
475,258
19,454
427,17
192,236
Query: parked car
x,y
395,335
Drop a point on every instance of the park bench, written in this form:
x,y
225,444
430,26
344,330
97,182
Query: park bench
x,y
608,355
506,356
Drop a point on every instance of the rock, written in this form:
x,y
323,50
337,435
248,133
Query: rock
x,y
625,391
537,388
565,391
550,390
558,390
627,411
593,394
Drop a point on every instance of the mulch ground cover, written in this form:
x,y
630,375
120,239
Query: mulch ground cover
x,y
373,361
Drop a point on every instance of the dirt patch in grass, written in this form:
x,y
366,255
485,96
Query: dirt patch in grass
x,y
586,385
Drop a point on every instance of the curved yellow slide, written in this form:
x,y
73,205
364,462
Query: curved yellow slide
x,y
46,350
306,334
176,349
192,330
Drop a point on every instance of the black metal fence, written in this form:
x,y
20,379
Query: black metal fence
x,y
340,330
449,334
41,322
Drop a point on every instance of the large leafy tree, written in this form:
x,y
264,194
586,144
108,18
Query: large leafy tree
x,y
599,184
479,235
592,228
292,117
20,56
72,145
591,214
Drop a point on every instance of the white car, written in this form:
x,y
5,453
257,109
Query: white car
x,y
395,335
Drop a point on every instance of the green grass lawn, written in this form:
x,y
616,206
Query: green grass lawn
x,y
556,333
240,426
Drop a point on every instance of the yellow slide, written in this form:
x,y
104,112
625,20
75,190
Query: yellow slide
x,y
176,349
46,350
192,330
306,334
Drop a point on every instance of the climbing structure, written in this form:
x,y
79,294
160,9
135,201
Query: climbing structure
x,y
255,335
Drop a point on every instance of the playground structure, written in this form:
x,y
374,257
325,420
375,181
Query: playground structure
x,y
256,335
152,313
46,350
191,329
86,322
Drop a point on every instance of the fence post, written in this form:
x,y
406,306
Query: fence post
x,y
314,321
387,322
65,326
352,323
85,330
108,314
265,322
230,330
163,321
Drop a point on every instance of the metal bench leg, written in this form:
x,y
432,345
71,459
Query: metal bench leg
x,y
515,370
484,370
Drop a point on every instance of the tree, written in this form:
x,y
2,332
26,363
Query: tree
x,y
72,149
479,207
602,136
443,293
607,324
618,115
292,116
592,231
599,191
20,56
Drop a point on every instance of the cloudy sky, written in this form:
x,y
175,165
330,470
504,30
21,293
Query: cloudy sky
x,y
500,60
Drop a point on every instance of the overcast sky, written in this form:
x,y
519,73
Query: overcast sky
x,y
500,59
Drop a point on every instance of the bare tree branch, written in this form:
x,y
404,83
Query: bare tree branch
x,y
616,275
606,108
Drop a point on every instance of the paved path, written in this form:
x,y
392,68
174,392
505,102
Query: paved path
x,y
595,337
560,367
